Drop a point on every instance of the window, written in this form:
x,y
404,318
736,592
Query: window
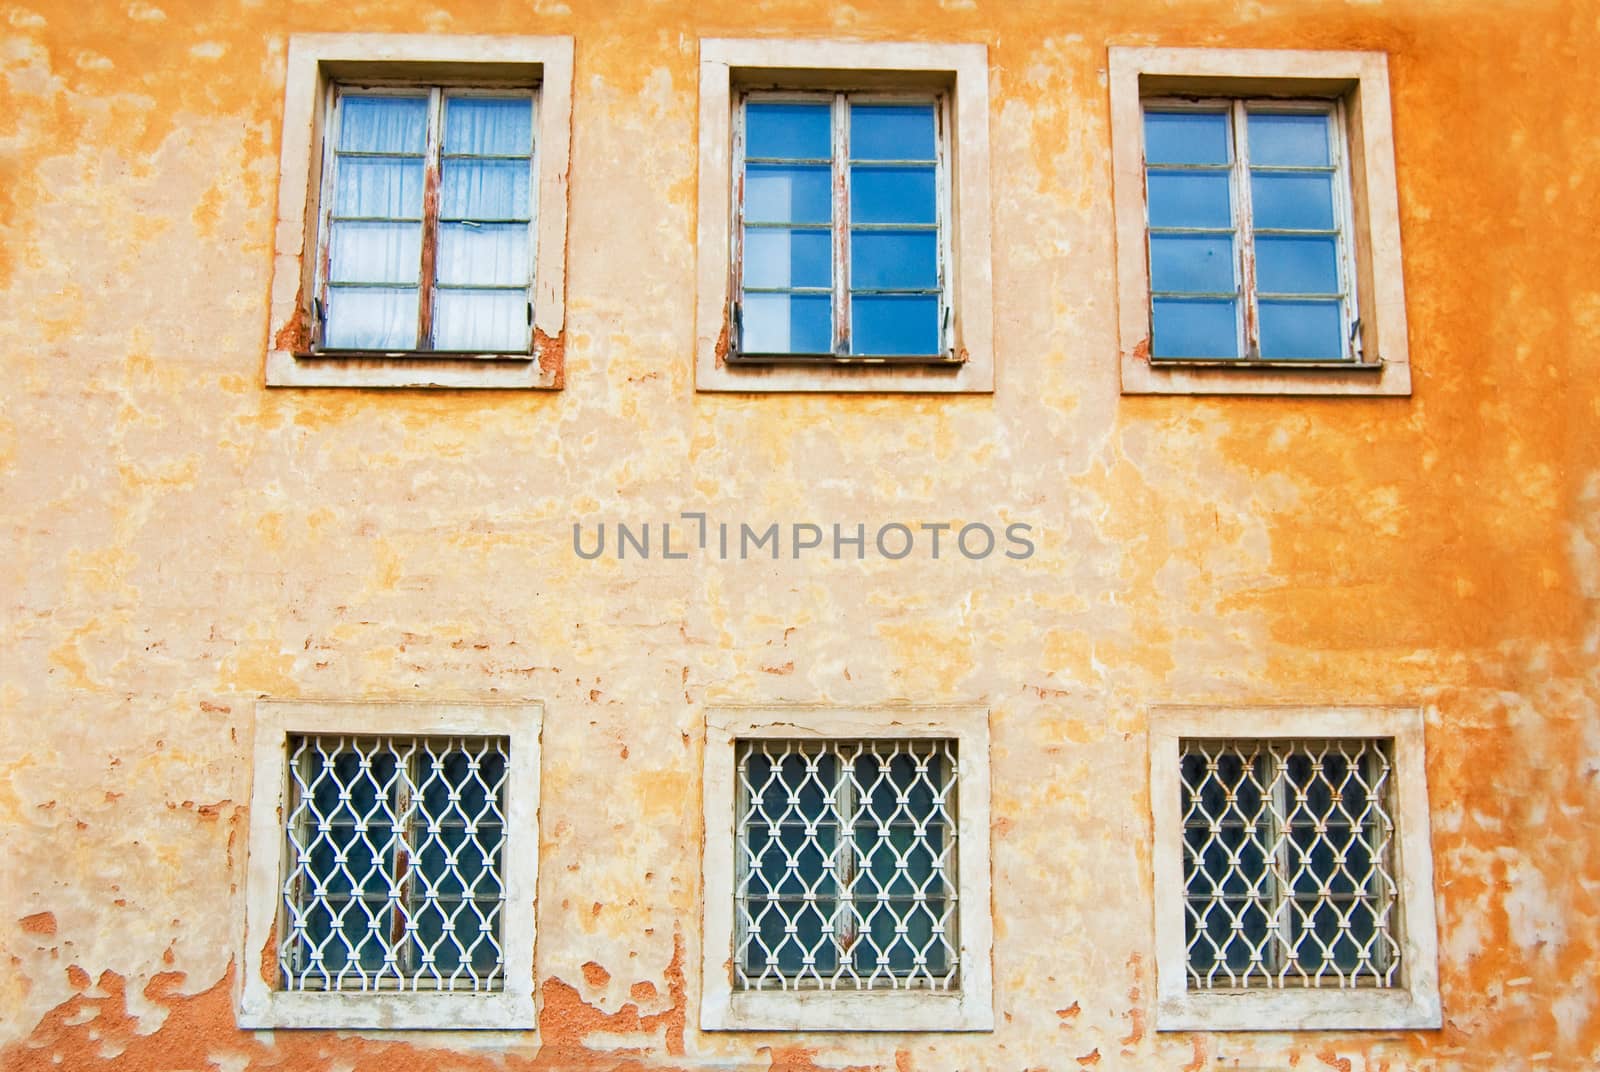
x,y
833,252
1293,874
390,851
847,875
841,243
422,212
1257,225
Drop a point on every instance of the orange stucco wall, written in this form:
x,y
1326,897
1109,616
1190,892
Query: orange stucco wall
x,y
179,540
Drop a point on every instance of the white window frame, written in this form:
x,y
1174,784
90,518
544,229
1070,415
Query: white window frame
x,y
1356,85
958,75
1414,1003
318,64
968,1008
261,1004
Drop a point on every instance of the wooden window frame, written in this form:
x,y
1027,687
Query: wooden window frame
x,y
1357,83
318,65
841,101
959,72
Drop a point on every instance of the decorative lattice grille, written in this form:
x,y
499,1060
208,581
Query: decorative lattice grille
x,y
395,876
1288,859
846,865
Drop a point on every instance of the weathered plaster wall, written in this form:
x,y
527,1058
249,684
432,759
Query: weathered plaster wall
x,y
180,540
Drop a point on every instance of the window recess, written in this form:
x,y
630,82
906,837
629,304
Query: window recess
x,y
842,233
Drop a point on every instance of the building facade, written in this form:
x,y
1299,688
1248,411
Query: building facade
x,y
947,536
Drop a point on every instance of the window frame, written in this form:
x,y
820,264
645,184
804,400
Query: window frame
x,y
969,1007
841,101
1356,83
730,68
319,65
261,1003
1414,1003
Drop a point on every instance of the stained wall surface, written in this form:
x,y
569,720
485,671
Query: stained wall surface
x,y
181,541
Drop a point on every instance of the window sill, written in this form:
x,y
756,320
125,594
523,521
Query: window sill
x,y
872,1010
540,370
424,1010
1298,1010
947,361
1143,375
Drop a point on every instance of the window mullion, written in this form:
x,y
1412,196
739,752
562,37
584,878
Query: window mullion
x,y
846,930
1246,232
841,225
430,220
404,863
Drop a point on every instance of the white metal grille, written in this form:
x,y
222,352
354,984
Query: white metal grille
x,y
394,863
1288,859
846,865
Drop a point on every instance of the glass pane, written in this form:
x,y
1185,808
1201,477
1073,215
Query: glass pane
x,y
378,186
1297,265
1189,199
787,324
492,126
383,124
1309,330
1296,140
1194,263
788,193
371,318
891,132
1297,202
892,195
1195,328
894,259
779,257
484,189
363,252
490,321
894,324
1185,137
788,131
483,253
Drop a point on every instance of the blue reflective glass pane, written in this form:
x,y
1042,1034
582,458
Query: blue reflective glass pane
x,y
1185,137
894,259
483,254
1304,330
1296,140
1188,199
1296,265
788,193
484,189
488,126
486,321
887,325
383,124
1193,263
891,132
371,318
366,252
788,131
1293,201
378,186
892,195
1185,327
787,324
785,257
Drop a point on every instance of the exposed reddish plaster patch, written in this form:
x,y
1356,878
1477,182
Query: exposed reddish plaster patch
x,y
595,975
1070,1012
1199,1061
643,992
41,923
1090,1059
786,668
269,956
1333,1060
902,1061
552,351
721,351
801,1059
295,335
215,708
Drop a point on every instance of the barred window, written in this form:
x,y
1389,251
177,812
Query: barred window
x,y
846,862
1288,863
394,861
